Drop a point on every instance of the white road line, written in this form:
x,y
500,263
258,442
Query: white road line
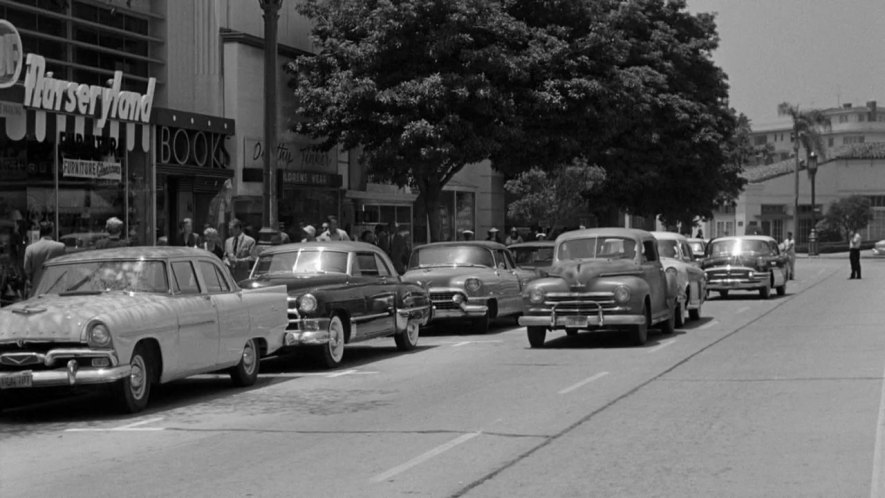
x,y
340,374
583,382
464,343
123,428
708,325
661,346
426,456
877,489
460,344
741,310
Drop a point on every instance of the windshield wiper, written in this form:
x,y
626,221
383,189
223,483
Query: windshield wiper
x,y
80,293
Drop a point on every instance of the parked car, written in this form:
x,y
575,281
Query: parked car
x,y
746,262
476,281
879,248
134,317
341,293
698,247
691,282
81,241
534,256
602,278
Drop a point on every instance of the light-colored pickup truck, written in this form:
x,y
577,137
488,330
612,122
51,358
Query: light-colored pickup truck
x,y
135,317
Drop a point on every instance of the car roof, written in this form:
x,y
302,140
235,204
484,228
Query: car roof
x,y
131,252
488,244
340,245
669,236
533,244
605,232
765,238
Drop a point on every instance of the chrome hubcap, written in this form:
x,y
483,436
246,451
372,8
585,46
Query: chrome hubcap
x,y
336,339
249,358
137,378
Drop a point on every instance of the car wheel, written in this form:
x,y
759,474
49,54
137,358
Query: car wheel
x,y
536,336
246,372
668,326
782,289
639,333
408,339
723,294
765,292
333,351
134,391
679,314
696,313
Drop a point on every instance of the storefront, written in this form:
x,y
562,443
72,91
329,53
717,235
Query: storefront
x,y
193,172
71,153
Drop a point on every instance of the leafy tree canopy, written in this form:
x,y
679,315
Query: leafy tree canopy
x,y
849,214
429,86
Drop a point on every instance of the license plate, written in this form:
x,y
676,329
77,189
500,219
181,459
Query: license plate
x,y
16,380
575,321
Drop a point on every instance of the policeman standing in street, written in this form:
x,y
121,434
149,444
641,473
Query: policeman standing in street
x,y
854,255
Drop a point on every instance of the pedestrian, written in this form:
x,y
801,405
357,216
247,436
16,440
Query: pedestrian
x,y
700,234
239,250
493,235
790,251
854,255
514,237
541,236
309,234
186,235
38,253
399,250
333,232
382,238
367,236
467,235
212,243
114,227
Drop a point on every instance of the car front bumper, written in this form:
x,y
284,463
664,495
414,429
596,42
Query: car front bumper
x,y
735,284
580,321
73,367
311,332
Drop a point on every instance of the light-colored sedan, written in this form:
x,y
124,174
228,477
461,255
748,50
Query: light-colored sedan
x,y
879,249
691,282
134,317
476,281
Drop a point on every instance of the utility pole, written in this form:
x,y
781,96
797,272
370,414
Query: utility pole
x,y
271,10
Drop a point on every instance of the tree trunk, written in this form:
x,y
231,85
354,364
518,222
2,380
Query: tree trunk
x,y
428,197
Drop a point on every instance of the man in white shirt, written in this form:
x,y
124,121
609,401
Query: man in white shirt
x,y
790,251
333,233
854,255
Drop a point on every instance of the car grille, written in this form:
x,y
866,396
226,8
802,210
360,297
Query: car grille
x,y
37,346
728,273
443,300
580,303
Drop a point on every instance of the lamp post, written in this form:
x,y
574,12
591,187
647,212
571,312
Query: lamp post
x,y
795,137
271,9
812,172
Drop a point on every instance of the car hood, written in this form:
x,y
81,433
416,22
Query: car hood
x,y
584,271
297,282
62,318
442,276
738,260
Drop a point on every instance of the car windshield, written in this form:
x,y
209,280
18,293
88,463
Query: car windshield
x,y
737,247
667,248
451,255
304,261
533,256
697,247
103,276
597,248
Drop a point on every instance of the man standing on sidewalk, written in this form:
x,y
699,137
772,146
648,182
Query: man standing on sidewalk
x,y
790,251
854,255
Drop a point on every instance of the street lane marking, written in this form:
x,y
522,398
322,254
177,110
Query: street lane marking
x,y
464,343
708,325
661,346
741,310
295,375
426,456
877,489
583,382
128,427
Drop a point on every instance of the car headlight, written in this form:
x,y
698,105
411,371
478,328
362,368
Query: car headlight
x,y
458,298
622,294
472,284
98,336
751,274
307,303
537,295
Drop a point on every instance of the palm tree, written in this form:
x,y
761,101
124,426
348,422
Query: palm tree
x,y
808,126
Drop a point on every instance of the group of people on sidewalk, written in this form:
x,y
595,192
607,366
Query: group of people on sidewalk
x,y
854,244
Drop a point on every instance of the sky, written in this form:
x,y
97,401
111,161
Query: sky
x,y
814,53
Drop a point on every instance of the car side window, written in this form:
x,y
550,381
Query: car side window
x,y
211,277
365,265
648,251
185,277
686,252
501,260
508,256
383,270
225,285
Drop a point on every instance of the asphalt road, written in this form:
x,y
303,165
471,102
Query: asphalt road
x,y
782,397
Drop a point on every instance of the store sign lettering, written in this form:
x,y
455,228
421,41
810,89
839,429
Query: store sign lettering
x,y
42,91
10,54
95,170
289,156
310,178
192,148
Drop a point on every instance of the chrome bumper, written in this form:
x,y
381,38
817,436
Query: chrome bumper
x,y
71,375
734,284
464,310
580,321
311,332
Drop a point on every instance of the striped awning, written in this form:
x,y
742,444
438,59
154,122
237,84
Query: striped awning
x,y
20,122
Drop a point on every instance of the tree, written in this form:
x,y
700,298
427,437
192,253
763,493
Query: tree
x,y
848,214
808,127
553,198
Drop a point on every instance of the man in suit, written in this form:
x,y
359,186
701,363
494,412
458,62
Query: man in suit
x,y
400,249
239,251
40,252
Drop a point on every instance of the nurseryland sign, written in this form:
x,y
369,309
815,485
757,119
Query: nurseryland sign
x,y
10,54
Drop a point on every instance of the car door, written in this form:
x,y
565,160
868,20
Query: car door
x,y
376,295
198,340
654,275
509,300
231,308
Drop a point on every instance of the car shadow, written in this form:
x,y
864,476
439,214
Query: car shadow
x,y
746,296
604,339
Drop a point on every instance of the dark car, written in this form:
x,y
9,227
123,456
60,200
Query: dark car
x,y
476,281
747,262
341,293
602,278
535,256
